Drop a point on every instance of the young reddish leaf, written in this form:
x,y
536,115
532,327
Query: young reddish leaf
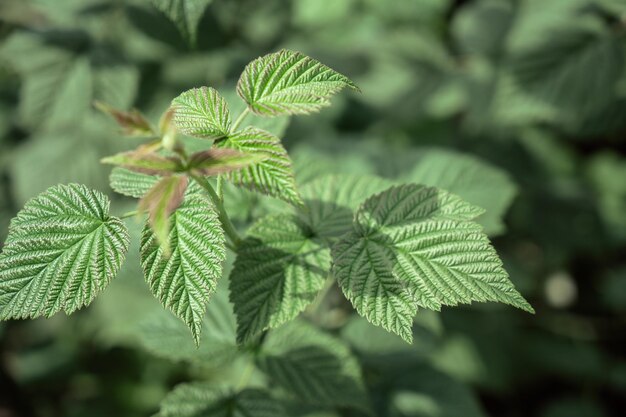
x,y
221,161
160,202
145,162
132,122
167,129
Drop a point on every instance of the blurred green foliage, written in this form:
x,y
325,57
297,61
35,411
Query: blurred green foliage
x,y
519,106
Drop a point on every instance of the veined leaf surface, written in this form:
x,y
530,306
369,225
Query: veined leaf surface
x,y
185,280
289,82
63,249
278,272
274,174
415,246
202,112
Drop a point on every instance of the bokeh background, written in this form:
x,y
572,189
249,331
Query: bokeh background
x,y
518,106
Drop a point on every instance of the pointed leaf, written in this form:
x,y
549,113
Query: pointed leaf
x,y
363,269
470,178
278,272
273,175
131,183
222,161
185,280
202,112
185,14
160,202
63,248
407,204
165,336
132,122
144,162
204,400
318,368
553,70
289,82
59,84
451,263
418,246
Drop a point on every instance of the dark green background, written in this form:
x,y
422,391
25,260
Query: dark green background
x,y
536,89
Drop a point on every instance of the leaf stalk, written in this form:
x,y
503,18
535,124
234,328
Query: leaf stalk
x,y
240,119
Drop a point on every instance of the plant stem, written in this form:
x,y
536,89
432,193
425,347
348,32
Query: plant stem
x,y
218,188
245,376
129,214
240,119
229,229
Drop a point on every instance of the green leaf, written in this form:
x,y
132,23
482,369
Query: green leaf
x,y
575,69
63,248
202,112
480,28
272,176
204,400
277,126
221,161
415,246
363,269
185,280
289,82
144,162
185,14
160,202
332,200
135,184
316,367
36,165
132,122
278,272
165,336
59,85
131,183
470,178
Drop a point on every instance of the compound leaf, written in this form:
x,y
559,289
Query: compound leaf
x,y
415,246
289,82
202,112
316,367
63,248
204,400
185,280
278,272
273,175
